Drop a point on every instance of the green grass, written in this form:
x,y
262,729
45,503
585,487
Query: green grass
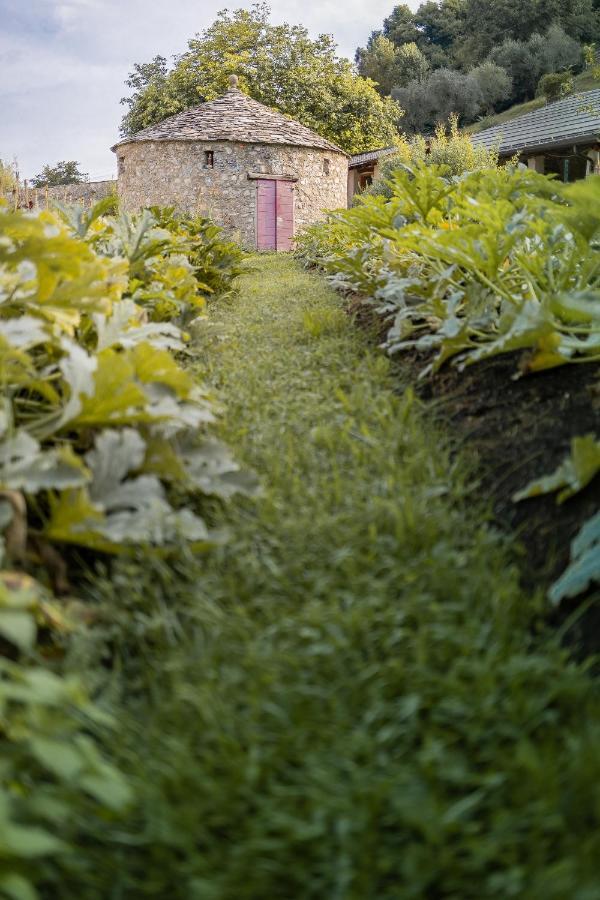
x,y
585,81
348,700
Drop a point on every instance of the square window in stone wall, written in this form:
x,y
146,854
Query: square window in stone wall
x,y
121,164
325,167
209,159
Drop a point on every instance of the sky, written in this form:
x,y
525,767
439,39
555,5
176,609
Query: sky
x,y
63,65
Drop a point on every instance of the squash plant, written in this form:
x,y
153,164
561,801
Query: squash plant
x,y
474,266
98,419
576,471
52,761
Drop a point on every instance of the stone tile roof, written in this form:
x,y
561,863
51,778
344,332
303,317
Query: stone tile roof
x,y
233,117
576,119
359,159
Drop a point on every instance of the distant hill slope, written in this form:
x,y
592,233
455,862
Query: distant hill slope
x,y
583,82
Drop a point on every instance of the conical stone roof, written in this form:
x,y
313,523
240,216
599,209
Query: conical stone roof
x,y
232,117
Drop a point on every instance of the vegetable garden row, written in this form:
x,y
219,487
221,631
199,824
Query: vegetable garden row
x,y
332,687
105,445
470,267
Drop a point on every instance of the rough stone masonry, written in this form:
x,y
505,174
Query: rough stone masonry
x,y
176,174
208,159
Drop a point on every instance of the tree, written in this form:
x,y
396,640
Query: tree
x,y
65,172
432,101
494,83
523,67
390,66
8,178
400,26
556,51
377,61
279,65
493,21
441,26
411,64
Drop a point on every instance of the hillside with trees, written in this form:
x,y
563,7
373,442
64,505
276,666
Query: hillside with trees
x,y
476,57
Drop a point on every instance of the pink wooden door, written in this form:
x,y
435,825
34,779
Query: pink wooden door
x,y
266,227
285,214
274,214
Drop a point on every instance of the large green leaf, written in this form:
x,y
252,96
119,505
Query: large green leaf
x,y
23,331
25,466
584,569
573,474
212,468
126,326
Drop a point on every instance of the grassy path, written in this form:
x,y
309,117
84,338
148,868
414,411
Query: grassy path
x,y
349,704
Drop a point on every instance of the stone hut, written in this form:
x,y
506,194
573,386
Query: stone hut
x,y
257,173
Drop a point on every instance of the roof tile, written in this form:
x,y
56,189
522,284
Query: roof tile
x,y
232,117
564,121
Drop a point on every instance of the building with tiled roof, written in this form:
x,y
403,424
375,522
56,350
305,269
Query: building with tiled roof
x,y
254,171
364,168
561,138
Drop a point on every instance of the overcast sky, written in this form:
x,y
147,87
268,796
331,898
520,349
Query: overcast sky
x,y
63,64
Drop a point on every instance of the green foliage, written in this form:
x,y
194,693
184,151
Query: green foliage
x,y
556,86
461,33
351,698
100,424
432,100
8,178
64,172
584,570
449,147
494,83
53,770
467,268
390,66
279,65
573,475
104,444
552,53
483,56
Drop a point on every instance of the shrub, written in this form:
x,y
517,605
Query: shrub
x,y
449,147
432,100
8,178
495,85
556,85
523,67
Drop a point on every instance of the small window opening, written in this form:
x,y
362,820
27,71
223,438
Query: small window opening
x,y
121,165
209,159
325,167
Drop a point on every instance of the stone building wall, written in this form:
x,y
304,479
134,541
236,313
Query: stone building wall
x,y
87,193
175,173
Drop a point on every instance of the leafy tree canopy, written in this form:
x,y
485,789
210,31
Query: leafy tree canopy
x,y
64,172
390,66
474,57
461,33
279,65
8,178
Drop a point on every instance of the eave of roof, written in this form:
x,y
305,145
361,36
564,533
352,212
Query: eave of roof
x,y
359,159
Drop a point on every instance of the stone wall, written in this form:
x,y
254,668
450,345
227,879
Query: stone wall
x,y
87,193
175,173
